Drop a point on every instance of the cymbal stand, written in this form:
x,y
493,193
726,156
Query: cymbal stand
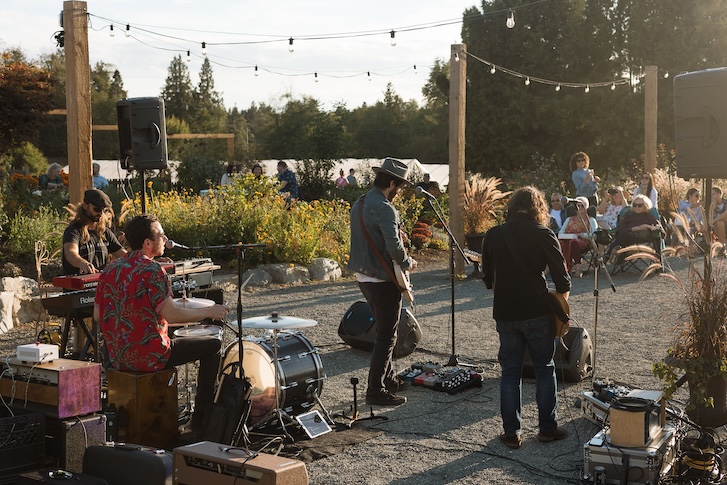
x,y
354,409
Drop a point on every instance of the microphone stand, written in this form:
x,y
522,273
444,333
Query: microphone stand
x,y
599,263
453,244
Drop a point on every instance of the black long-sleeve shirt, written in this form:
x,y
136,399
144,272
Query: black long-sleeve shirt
x,y
519,286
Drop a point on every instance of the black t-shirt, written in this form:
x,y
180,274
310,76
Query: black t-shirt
x,y
518,286
95,251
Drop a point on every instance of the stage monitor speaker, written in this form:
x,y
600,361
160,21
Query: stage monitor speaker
x,y
574,362
142,133
700,114
67,439
357,329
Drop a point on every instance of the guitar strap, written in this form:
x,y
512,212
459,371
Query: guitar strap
x,y
378,254
510,245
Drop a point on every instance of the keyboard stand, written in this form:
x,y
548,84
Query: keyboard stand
x,y
77,319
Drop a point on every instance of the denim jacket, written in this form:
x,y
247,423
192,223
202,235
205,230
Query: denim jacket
x,y
382,224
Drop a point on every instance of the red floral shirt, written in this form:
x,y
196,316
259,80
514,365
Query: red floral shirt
x,y
130,295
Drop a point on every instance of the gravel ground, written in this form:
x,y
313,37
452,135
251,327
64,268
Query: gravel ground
x,y
436,437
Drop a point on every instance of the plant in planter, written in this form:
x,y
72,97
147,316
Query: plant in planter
x,y
699,351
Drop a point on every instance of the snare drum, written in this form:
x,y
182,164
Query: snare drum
x,y
300,372
200,331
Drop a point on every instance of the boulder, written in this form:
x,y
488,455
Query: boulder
x,y
6,311
26,303
324,269
287,273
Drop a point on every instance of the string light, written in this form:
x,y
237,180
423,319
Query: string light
x,y
393,38
369,75
510,19
290,45
128,30
557,88
111,30
204,48
316,76
666,74
493,70
527,81
456,57
256,72
587,90
189,56
415,69
613,86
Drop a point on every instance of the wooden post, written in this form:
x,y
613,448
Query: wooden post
x,y
78,98
650,111
457,108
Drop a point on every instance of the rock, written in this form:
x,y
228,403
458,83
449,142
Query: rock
x,y
260,277
287,273
324,269
26,303
6,311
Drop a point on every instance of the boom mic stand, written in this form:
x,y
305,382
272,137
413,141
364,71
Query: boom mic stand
x,y
453,244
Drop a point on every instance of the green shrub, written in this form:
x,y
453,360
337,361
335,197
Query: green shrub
x,y
24,230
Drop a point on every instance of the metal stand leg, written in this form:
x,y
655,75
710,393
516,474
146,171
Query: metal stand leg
x,y
354,418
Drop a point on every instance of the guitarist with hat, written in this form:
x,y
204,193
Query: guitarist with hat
x,y
514,257
377,242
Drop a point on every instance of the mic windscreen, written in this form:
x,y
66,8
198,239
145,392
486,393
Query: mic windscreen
x,y
418,190
169,244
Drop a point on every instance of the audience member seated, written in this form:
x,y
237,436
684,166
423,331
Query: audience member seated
x,y
51,179
574,236
646,187
635,226
719,214
691,212
557,212
614,201
429,185
233,170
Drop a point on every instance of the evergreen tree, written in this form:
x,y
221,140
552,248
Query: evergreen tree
x,y
178,92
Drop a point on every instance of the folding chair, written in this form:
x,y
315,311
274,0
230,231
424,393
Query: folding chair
x,y
588,256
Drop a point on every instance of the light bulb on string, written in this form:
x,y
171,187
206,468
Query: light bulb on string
x,y
189,56
204,48
587,90
290,45
128,30
557,88
527,81
510,19
393,38
256,72
369,75
666,74
493,70
111,30
613,86
415,69
315,76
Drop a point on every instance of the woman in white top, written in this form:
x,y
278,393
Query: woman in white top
x,y
646,187
612,205
574,236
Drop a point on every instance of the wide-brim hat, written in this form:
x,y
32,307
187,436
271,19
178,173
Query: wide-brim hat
x,y
583,201
97,198
395,168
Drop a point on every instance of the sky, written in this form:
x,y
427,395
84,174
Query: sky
x,y
161,29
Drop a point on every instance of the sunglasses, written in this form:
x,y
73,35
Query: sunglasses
x,y
99,210
555,200
638,205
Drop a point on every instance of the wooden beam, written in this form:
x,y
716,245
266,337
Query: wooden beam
x,y
457,109
78,98
650,122
202,135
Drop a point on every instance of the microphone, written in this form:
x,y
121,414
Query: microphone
x,y
171,245
565,200
421,192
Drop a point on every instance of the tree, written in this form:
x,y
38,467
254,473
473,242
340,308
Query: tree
x,y
107,89
26,94
177,92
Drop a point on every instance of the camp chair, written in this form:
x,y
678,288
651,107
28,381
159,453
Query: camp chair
x,y
640,256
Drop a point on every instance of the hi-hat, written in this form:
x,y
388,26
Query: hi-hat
x,y
194,302
276,322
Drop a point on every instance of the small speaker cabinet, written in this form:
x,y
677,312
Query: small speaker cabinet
x,y
67,439
142,133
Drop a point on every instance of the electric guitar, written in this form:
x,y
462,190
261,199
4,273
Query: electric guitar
x,y
402,279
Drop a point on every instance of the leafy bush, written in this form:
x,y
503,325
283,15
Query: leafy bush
x,y
24,230
542,172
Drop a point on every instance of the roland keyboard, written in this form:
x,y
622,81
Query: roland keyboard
x,y
89,281
77,303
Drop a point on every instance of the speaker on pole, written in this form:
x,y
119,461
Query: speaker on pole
x,y
142,133
700,111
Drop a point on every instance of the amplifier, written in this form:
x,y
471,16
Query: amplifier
x,y
66,440
593,408
60,389
213,463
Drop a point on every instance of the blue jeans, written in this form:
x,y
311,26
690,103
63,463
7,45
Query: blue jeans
x,y
538,336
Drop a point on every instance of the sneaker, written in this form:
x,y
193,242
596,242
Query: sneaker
x,y
384,398
511,441
396,384
558,433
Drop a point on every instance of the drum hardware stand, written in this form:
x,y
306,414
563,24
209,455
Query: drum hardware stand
x,y
354,409
453,244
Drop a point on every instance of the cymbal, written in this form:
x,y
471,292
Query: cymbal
x,y
194,302
276,322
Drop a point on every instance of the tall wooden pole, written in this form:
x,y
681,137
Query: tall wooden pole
x,y
457,110
650,112
78,98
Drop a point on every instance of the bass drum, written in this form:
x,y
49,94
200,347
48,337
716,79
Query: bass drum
x,y
300,373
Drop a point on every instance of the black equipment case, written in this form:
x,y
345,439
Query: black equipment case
x,y
357,329
127,464
58,476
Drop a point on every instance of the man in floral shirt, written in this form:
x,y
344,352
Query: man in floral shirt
x,y
134,305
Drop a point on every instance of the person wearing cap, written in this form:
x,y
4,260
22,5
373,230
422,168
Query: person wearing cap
x,y
88,240
99,181
374,215
575,234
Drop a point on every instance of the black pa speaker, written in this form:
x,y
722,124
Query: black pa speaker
x,y
700,115
574,362
357,329
142,133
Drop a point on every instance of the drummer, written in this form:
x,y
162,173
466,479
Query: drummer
x,y
134,305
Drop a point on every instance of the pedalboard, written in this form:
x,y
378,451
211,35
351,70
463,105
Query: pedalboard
x,y
448,379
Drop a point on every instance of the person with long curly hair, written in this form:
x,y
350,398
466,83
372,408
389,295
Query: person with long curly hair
x,y
583,177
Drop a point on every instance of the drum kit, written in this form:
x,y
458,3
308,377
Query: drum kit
x,y
283,368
